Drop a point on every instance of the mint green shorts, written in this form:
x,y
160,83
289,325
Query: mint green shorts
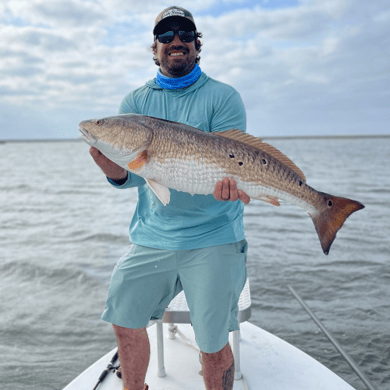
x,y
145,280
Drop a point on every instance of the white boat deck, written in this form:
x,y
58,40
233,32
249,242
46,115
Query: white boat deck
x,y
267,363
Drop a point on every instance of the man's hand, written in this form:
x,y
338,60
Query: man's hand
x,y
227,190
110,169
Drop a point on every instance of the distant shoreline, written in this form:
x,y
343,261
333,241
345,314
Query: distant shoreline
x,y
3,141
296,137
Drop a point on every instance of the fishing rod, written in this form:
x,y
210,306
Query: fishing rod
x,y
333,340
110,366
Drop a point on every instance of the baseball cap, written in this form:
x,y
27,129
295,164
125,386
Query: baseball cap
x,y
171,13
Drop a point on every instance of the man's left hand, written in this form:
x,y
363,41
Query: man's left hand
x,y
227,190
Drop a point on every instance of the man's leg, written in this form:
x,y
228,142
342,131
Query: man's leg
x,y
218,369
212,279
134,353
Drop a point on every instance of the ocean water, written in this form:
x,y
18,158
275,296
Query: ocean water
x,y
63,228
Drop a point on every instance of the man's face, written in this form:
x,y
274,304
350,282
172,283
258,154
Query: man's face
x,y
176,58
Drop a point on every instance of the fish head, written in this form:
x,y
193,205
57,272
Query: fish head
x,y
125,132
120,138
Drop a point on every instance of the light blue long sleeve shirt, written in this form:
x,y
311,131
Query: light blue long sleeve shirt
x,y
187,222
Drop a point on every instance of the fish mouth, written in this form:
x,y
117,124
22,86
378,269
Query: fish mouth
x,y
91,139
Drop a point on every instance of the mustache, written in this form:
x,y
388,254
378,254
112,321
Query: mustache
x,y
177,48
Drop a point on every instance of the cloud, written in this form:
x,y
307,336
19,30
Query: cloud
x,y
63,13
304,70
317,67
30,39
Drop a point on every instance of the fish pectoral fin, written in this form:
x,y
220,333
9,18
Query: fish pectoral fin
x,y
162,192
138,161
269,199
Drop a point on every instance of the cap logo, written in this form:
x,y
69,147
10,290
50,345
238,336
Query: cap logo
x,y
173,12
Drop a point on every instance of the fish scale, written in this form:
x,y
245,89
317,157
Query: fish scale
x,y
183,175
215,159
173,155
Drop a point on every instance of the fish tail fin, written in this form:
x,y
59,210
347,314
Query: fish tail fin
x,y
329,221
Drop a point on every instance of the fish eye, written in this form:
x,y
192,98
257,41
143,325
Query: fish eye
x,y
99,122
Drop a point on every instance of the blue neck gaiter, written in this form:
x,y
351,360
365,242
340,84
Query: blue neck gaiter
x,y
181,82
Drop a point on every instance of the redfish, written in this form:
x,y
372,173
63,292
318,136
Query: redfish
x,y
173,155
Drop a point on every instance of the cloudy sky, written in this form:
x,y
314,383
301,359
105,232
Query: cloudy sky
x,y
302,67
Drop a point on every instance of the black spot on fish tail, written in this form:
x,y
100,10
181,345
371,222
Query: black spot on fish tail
x,y
330,220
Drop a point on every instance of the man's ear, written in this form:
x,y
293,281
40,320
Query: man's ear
x,y
199,44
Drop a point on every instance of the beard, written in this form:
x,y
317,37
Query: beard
x,y
178,67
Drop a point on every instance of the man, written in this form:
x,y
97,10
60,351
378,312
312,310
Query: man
x,y
195,243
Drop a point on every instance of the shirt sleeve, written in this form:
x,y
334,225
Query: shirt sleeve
x,y
127,106
229,113
132,181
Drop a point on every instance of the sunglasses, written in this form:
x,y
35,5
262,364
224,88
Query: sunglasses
x,y
169,36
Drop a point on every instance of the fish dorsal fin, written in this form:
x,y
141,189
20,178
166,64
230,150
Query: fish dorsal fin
x,y
238,135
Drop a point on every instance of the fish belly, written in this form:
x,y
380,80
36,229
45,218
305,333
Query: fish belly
x,y
200,177
187,175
